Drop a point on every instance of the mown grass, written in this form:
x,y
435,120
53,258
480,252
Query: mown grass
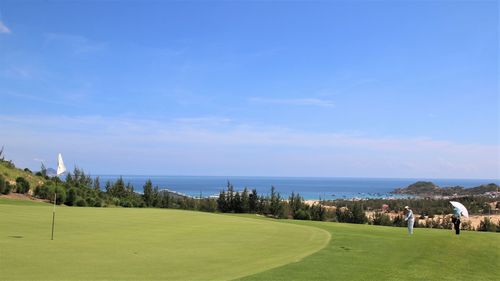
x,y
143,244
158,244
364,252
8,201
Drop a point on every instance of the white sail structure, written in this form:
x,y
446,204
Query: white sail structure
x,y
60,165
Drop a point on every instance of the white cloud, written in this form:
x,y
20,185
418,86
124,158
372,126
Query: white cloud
x,y
201,146
203,121
17,72
4,28
78,44
296,101
33,97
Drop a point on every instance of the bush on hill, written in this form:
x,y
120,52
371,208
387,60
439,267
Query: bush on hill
x,y
3,185
42,191
48,190
22,185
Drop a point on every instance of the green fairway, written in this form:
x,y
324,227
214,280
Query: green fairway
x,y
159,244
364,252
143,244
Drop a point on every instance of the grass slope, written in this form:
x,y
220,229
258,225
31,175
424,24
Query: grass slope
x,y
364,252
11,174
143,244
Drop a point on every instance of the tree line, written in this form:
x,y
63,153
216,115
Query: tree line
x,y
272,205
424,207
81,190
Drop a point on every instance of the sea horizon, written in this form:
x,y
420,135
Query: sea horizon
x,y
326,177
326,188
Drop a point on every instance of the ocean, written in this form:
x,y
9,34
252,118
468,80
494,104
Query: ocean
x,y
307,187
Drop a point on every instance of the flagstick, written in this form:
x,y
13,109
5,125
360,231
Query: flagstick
x,y
60,170
54,212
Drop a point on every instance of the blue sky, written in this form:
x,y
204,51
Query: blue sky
x,y
330,88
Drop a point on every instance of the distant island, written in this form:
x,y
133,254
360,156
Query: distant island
x,y
429,189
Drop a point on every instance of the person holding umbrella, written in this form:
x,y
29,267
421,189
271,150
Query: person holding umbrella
x,y
409,218
458,211
455,219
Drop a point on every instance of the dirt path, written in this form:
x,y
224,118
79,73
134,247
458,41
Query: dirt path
x,y
18,196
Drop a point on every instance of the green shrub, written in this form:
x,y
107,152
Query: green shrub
x,y
8,188
343,215
399,221
125,203
3,184
356,215
80,202
115,201
90,201
487,225
302,215
381,219
60,193
22,185
140,204
42,191
317,212
71,198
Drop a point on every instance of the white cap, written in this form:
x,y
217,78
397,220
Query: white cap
x,y
406,207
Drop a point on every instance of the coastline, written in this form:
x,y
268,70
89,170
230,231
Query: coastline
x,y
310,188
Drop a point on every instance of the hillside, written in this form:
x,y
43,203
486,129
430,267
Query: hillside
x,y
425,188
10,173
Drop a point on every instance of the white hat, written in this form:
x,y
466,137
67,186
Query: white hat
x,y
406,207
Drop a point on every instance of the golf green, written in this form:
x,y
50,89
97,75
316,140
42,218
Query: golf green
x,y
160,244
144,244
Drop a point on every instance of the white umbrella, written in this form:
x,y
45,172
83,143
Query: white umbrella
x,y
461,207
